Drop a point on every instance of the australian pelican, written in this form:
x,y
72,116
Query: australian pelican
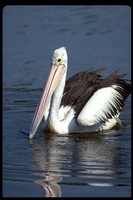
x,y
84,103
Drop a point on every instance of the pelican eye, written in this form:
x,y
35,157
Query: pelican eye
x,y
59,60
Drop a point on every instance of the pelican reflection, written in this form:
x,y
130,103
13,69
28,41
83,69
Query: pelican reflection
x,y
88,160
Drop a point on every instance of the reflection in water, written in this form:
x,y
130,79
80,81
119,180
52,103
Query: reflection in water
x,y
50,186
92,160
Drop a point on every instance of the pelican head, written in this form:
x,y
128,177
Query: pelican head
x,y
60,57
57,71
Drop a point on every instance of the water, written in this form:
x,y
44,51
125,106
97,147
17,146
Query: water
x,y
94,165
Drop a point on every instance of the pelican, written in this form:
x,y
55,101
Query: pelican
x,y
84,103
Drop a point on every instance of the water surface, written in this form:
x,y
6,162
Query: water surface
x,y
94,165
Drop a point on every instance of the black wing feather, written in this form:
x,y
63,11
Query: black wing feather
x,y
80,88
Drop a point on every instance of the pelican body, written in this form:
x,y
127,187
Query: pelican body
x,y
84,103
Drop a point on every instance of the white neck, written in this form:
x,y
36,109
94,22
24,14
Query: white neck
x,y
53,118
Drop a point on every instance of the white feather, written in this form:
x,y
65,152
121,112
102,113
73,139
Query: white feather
x,y
63,112
101,103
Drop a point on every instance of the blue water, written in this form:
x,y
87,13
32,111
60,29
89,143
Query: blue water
x,y
94,165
